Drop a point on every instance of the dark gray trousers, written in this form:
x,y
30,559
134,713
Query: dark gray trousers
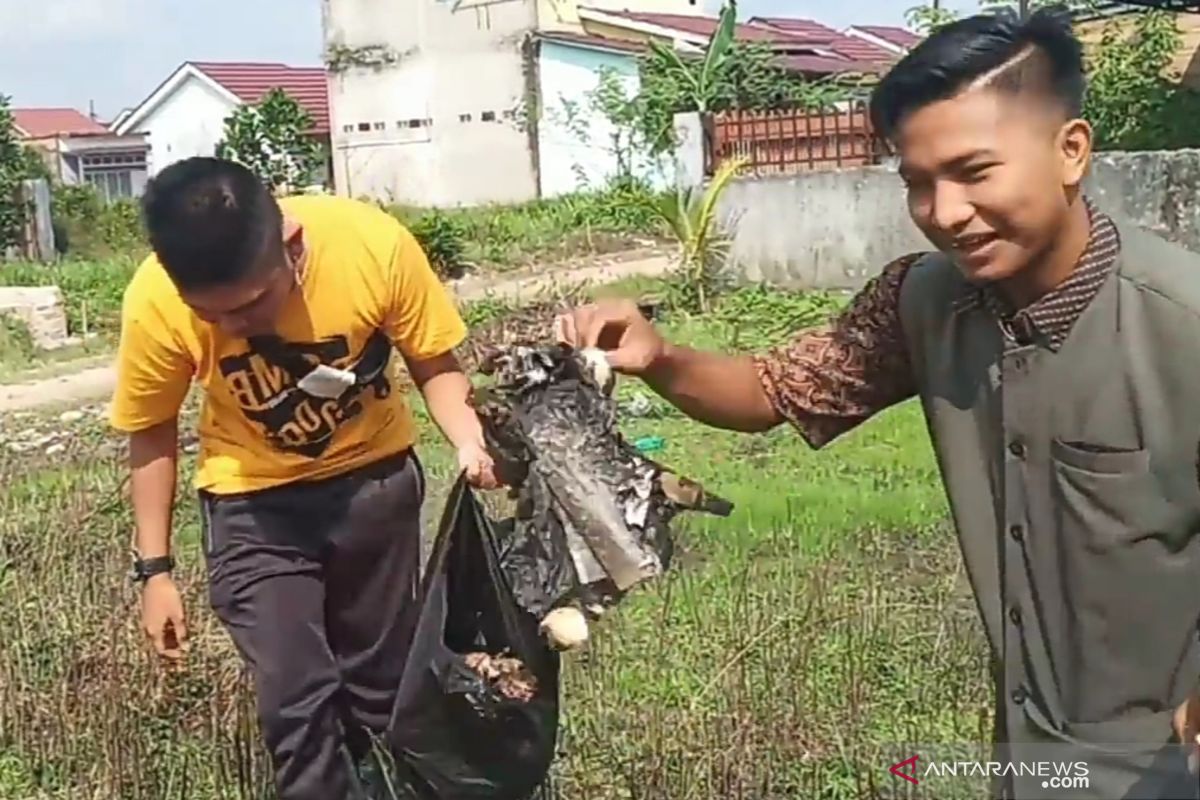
x,y
316,583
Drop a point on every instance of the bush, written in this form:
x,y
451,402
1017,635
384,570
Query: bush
x,y
443,238
16,344
585,223
92,290
86,227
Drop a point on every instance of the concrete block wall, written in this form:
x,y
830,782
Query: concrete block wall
x,y
41,309
835,229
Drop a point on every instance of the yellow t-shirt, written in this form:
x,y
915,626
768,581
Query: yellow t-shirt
x,y
366,286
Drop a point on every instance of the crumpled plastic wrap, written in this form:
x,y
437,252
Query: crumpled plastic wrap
x,y
593,513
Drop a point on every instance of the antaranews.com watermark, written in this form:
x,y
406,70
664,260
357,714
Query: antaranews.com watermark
x,y
1053,774
1032,770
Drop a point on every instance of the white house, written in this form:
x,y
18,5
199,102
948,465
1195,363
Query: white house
x,y
577,145
185,115
469,102
437,106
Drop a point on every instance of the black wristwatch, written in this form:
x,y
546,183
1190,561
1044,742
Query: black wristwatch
x,y
146,568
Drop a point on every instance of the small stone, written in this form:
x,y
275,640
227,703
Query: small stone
x,y
55,449
71,416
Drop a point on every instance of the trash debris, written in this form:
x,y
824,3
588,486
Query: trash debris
x,y
639,406
650,444
507,676
565,628
592,511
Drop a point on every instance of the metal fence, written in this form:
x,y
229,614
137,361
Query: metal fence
x,y
793,141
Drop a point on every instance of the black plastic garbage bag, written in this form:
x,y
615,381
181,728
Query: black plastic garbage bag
x,y
476,715
593,513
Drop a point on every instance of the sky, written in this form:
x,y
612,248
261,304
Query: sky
x,y
113,53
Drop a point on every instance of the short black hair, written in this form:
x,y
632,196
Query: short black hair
x,y
211,222
1038,54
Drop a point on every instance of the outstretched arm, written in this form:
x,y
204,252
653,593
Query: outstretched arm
x,y
825,382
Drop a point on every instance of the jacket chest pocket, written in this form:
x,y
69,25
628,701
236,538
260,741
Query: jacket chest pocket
x,y
1128,560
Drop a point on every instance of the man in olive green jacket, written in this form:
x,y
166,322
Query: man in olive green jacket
x,y
1055,354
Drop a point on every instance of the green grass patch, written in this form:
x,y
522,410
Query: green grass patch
x,y
789,646
536,233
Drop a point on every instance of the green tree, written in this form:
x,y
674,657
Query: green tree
x,y
13,168
927,18
1033,5
1132,101
700,82
729,74
273,139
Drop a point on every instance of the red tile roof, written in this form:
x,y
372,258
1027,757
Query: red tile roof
x,y
700,26
587,40
891,34
825,65
796,26
308,86
786,34
43,122
818,35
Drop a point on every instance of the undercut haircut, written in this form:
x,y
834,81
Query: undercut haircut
x,y
1039,56
211,222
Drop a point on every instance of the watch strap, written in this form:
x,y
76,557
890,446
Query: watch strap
x,y
146,568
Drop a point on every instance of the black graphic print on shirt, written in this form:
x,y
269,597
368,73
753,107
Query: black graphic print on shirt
x,y
264,379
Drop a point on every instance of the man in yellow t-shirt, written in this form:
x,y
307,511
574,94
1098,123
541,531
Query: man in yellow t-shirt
x,y
286,314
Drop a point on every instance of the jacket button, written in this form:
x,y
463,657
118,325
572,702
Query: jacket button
x,y
1017,449
1017,533
1014,614
1019,695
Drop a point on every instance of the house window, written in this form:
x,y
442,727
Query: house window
x,y
379,126
114,175
464,117
364,126
347,129
488,116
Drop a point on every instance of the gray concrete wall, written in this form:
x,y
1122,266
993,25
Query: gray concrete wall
x,y
834,230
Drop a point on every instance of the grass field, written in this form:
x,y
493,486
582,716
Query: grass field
x,y
791,644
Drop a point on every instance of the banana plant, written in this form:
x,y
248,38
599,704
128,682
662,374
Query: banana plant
x,y
691,214
702,86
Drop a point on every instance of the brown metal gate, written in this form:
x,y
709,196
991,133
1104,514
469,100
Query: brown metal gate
x,y
793,141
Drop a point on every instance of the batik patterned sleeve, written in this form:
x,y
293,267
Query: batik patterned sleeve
x,y
830,379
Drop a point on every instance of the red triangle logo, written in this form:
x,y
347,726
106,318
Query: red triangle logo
x,y
906,769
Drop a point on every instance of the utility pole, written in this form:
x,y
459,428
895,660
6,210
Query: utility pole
x,y
1024,5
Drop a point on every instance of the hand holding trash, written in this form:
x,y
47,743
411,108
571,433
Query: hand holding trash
x,y
628,340
477,466
593,512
